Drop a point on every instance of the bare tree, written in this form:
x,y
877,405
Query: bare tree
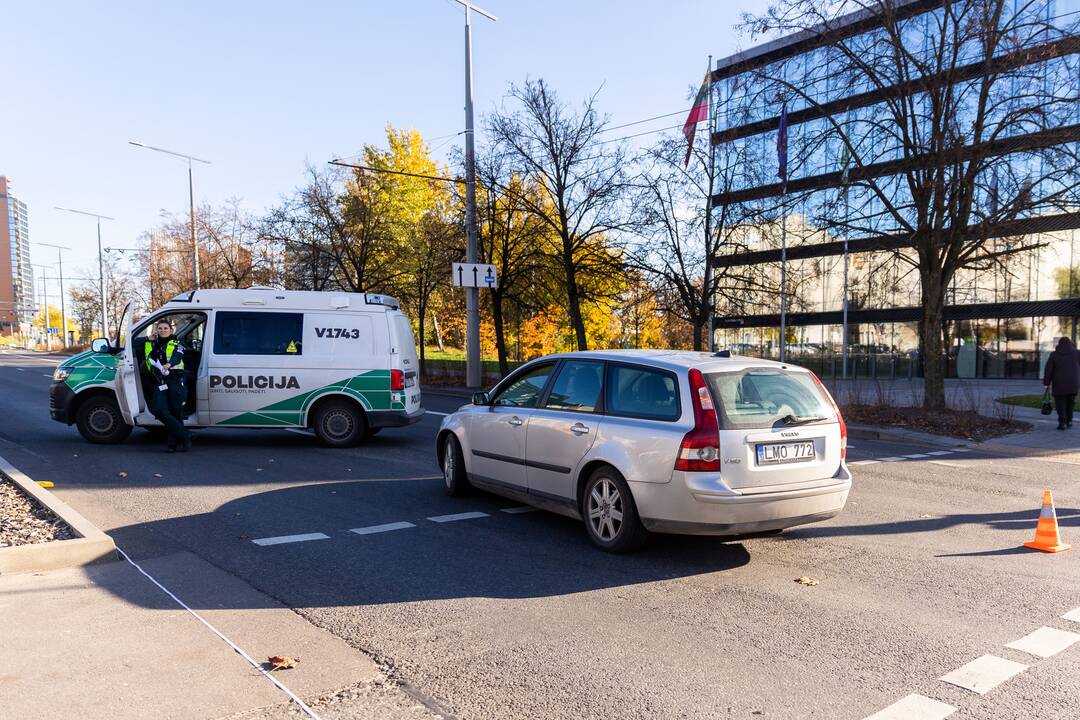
x,y
582,179
960,122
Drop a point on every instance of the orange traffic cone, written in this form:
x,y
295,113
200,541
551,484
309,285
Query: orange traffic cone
x,y
1047,537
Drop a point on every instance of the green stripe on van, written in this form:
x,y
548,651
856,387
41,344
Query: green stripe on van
x,y
371,389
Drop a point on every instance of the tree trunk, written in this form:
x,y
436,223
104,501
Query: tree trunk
x,y
573,301
438,331
699,331
930,341
421,312
500,335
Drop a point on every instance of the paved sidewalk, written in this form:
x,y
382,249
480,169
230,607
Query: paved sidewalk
x,y
104,641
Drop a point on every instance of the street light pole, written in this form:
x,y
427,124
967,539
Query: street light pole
x,y
63,304
191,201
101,267
473,375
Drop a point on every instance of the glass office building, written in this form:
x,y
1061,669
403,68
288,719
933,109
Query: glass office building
x,y
1010,301
16,273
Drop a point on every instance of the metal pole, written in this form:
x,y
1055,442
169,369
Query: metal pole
x,y
45,299
194,246
844,329
101,285
707,289
63,304
472,310
783,279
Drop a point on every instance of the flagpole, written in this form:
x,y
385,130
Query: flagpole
x,y
707,289
782,158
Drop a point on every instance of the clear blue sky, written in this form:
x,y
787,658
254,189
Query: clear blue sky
x,y
260,88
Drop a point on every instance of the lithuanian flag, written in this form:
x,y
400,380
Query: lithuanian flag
x,y
698,112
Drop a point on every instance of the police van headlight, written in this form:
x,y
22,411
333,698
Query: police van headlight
x,y
60,374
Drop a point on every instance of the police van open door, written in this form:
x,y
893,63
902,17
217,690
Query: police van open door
x,y
127,381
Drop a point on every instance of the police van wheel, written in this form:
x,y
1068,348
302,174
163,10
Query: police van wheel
x,y
99,421
339,423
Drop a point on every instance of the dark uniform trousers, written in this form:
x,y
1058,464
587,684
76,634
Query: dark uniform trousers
x,y
168,406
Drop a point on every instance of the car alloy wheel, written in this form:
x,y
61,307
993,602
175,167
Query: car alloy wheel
x,y
449,463
605,507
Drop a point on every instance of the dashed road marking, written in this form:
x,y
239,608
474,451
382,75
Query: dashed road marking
x,y
48,376
864,462
1044,642
940,452
916,456
984,674
20,370
891,459
960,450
1072,615
914,707
518,510
282,539
458,516
946,463
385,527
432,412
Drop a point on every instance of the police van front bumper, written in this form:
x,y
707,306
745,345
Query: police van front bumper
x,y
393,418
60,397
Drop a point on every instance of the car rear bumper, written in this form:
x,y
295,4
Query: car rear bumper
x,y
393,418
679,507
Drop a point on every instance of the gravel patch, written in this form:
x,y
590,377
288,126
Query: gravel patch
x,y
23,521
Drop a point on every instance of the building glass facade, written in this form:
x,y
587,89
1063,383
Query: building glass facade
x,y
1013,297
17,288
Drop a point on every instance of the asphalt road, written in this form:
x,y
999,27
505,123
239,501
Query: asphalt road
x,y
514,614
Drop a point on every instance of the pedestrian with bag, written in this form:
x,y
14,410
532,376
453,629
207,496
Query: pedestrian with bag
x,y
165,361
1062,380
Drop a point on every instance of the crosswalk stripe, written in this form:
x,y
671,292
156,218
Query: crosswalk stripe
x,y
1044,642
891,459
916,456
940,452
984,674
1073,615
457,516
385,527
282,539
863,462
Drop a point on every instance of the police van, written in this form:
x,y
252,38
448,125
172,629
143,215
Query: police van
x,y
343,364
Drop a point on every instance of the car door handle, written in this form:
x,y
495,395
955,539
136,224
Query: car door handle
x,y
579,428
515,421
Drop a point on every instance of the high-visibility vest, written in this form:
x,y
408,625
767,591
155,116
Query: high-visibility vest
x,y
169,348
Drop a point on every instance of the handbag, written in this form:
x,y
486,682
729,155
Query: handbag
x,y
1047,406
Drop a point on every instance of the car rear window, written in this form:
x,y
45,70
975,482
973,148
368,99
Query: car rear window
x,y
766,397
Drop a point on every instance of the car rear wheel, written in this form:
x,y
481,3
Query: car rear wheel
x,y
611,518
339,423
99,421
454,477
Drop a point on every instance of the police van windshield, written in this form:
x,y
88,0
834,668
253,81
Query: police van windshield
x,y
766,397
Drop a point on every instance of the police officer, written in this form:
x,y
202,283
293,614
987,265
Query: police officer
x,y
165,361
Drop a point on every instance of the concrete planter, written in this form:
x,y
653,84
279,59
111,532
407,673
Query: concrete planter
x,y
91,545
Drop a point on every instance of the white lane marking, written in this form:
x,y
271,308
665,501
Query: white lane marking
x,y
864,462
300,431
1044,642
1073,615
891,459
385,527
48,376
961,450
984,674
432,412
916,456
946,463
20,370
940,452
282,539
457,516
914,707
518,510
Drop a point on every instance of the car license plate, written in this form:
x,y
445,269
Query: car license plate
x,y
779,453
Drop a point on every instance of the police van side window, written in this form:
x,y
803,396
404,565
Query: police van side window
x,y
258,333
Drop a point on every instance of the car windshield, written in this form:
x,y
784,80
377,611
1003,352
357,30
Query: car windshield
x,y
766,397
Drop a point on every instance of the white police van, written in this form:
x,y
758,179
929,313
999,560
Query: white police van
x,y
343,364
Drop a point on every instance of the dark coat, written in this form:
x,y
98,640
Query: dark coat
x,y
1063,370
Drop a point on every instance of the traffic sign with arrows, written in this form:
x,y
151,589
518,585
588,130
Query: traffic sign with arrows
x,y
474,275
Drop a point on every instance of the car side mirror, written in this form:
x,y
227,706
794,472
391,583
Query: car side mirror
x,y
481,398
100,345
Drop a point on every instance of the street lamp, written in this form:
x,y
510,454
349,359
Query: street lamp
x,y
473,374
63,304
101,266
191,198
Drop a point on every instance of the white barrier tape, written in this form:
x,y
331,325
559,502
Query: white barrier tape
x,y
234,646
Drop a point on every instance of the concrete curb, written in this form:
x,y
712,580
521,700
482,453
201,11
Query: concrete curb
x,y
90,546
869,432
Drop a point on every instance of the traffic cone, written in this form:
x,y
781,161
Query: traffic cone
x,y
1047,537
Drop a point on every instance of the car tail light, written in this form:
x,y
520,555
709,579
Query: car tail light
x,y
397,380
700,449
839,417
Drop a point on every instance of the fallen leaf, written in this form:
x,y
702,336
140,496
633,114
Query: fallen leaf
x,y
121,474
243,536
925,516
282,662
808,581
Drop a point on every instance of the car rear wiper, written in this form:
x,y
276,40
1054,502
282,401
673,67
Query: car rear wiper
x,y
796,420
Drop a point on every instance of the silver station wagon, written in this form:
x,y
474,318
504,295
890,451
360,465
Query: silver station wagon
x,y
634,441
